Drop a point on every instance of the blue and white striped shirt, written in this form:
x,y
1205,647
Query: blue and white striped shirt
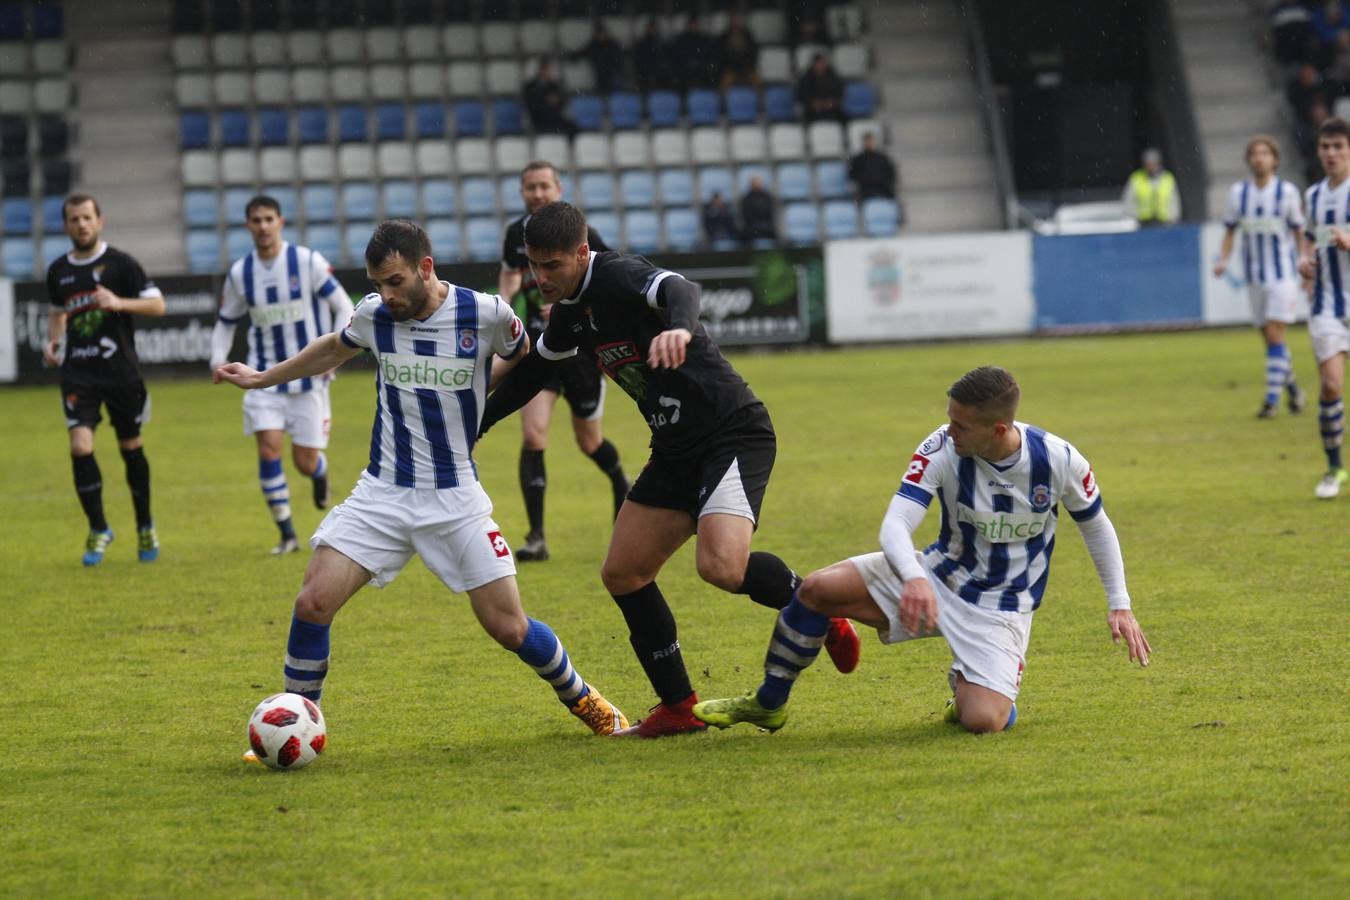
x,y
290,300
998,522
431,383
1270,218
1329,208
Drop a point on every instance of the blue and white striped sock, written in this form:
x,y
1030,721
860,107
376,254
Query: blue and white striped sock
x,y
274,488
1331,419
321,467
542,651
798,636
1278,372
306,658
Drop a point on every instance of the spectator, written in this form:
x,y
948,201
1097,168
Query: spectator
x,y
740,54
719,224
1336,79
1305,136
820,91
606,58
758,219
544,99
1291,29
810,33
872,172
1150,195
1328,21
651,60
1307,88
695,57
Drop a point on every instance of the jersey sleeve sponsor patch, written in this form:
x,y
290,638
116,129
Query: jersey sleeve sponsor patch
x,y
917,466
1089,485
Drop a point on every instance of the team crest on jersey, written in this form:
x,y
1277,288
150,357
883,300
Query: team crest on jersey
x,y
295,284
1089,485
98,274
1040,498
468,340
499,545
932,445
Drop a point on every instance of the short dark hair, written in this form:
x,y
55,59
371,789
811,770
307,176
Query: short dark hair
x,y
535,165
990,391
399,237
75,200
266,201
555,226
1334,127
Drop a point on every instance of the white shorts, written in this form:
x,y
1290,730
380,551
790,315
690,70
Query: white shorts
x,y
1278,302
305,417
988,646
381,525
1330,336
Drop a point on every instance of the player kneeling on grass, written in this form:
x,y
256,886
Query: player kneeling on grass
x,y
999,484
433,344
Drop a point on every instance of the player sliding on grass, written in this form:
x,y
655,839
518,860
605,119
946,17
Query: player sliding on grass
x,y
999,484
433,344
712,444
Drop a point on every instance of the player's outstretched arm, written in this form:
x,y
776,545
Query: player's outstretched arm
x,y
328,352
918,603
518,385
1104,548
683,299
137,306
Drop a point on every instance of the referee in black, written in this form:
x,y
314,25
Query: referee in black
x,y
95,291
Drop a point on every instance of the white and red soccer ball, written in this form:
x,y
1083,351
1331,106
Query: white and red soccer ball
x,y
287,731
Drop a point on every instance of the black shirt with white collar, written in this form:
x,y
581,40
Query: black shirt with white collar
x,y
100,344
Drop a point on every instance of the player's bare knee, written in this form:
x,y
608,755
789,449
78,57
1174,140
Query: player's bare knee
x,y
727,573
509,631
813,594
982,720
310,606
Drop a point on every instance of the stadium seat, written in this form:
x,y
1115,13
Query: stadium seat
x,y
826,139
578,75
16,60
707,145
53,217
470,118
325,239
359,200
465,78
537,37
395,159
199,208
637,188
274,127
438,198
625,110
17,257
348,84
508,193
641,231
595,190
460,40
231,88
233,201
844,20
229,50
508,117
433,158
319,202
444,236
670,147
676,186
780,105
881,217
860,128
663,109
355,236
383,44
421,42
573,34
703,107
355,161
48,20
276,164
502,77
478,195
801,223
430,119
285,196
483,239
683,229
312,124
607,224
742,105
860,99
190,90
832,179
235,128
14,135
343,45
716,179
389,122
199,168
794,181
788,141
195,128
353,124
50,247
16,176
189,51
238,243
511,154
748,143
592,151
472,157
555,148
17,213
841,219
850,60
775,64
309,85
631,149
753,170
497,38
53,136
203,250
388,82
426,80
588,112
267,48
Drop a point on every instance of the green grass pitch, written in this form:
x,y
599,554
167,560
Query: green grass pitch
x,y
1221,770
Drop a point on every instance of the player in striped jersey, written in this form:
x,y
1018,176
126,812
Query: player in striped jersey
x,y
999,484
433,345
1269,212
291,298
1326,261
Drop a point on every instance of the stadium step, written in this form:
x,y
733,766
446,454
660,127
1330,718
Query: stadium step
x,y
926,92
945,209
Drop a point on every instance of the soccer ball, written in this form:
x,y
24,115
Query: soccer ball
x,y
287,731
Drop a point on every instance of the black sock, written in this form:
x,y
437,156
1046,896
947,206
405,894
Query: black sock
x,y
768,581
138,479
89,488
606,458
287,530
651,627
533,481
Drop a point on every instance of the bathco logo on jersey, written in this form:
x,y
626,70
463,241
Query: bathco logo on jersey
x,y
407,371
1002,527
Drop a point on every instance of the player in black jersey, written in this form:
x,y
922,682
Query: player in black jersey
x,y
582,385
712,445
95,290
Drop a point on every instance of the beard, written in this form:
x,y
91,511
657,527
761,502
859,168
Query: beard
x,y
417,299
87,245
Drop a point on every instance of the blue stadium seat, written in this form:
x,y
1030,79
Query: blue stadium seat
x,y
444,235
881,217
479,195
637,188
285,196
682,229
355,236
801,223
438,197
508,192
16,257
12,25
312,123
470,119
716,178
319,201
588,112
274,127
507,116
53,215
400,200
359,200
780,105
353,125
794,181
742,105
389,122
483,237
203,250
14,136
235,128
841,219
17,214
595,190
625,110
607,223
57,175
51,246
677,186
238,243
860,99
641,231
430,119
199,208
233,201
196,130
832,179
53,136
703,106
753,170
324,238
48,20
663,109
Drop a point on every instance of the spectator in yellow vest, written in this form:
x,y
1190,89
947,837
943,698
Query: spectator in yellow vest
x,y
1151,196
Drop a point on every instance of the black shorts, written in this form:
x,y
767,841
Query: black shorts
x,y
728,473
128,405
